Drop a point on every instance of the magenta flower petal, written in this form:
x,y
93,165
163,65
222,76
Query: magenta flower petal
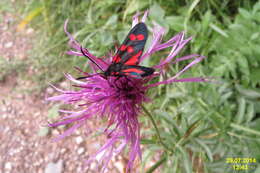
x,y
119,100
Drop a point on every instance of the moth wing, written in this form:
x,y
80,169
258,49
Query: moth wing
x,y
136,71
132,48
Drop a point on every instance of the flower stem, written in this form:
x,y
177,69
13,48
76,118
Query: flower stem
x,y
156,129
157,164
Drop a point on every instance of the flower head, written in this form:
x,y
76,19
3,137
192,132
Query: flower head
x,y
119,100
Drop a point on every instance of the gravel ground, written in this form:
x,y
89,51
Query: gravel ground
x,y
23,148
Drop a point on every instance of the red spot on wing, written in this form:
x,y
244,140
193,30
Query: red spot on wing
x,y
140,37
123,47
130,49
133,70
116,58
132,37
134,59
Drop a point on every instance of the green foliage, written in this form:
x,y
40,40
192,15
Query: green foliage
x,y
240,49
198,122
213,121
10,66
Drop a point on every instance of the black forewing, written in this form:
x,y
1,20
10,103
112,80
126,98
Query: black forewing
x,y
123,54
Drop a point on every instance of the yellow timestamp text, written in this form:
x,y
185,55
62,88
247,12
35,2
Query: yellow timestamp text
x,y
242,160
242,163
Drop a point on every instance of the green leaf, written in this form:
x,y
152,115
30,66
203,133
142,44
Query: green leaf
x,y
206,20
186,161
206,148
244,13
134,6
156,12
43,131
257,106
53,111
246,129
250,112
257,170
106,38
157,164
248,93
243,65
175,22
241,110
255,75
148,141
112,20
219,30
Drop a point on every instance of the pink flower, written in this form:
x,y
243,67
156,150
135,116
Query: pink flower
x,y
120,104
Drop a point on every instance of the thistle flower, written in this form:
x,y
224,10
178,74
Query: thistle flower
x,y
120,104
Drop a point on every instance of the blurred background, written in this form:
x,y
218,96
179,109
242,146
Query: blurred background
x,y
207,123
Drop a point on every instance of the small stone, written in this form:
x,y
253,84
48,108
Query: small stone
x,y
19,96
8,44
81,150
64,84
79,140
4,109
8,165
96,145
93,165
119,166
55,132
50,90
54,167
63,150
4,116
29,31
5,27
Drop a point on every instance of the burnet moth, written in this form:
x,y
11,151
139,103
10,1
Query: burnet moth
x,y
125,61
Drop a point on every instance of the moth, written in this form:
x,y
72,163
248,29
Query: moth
x,y
125,61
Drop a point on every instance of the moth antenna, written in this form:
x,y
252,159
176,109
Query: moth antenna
x,y
82,51
85,77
